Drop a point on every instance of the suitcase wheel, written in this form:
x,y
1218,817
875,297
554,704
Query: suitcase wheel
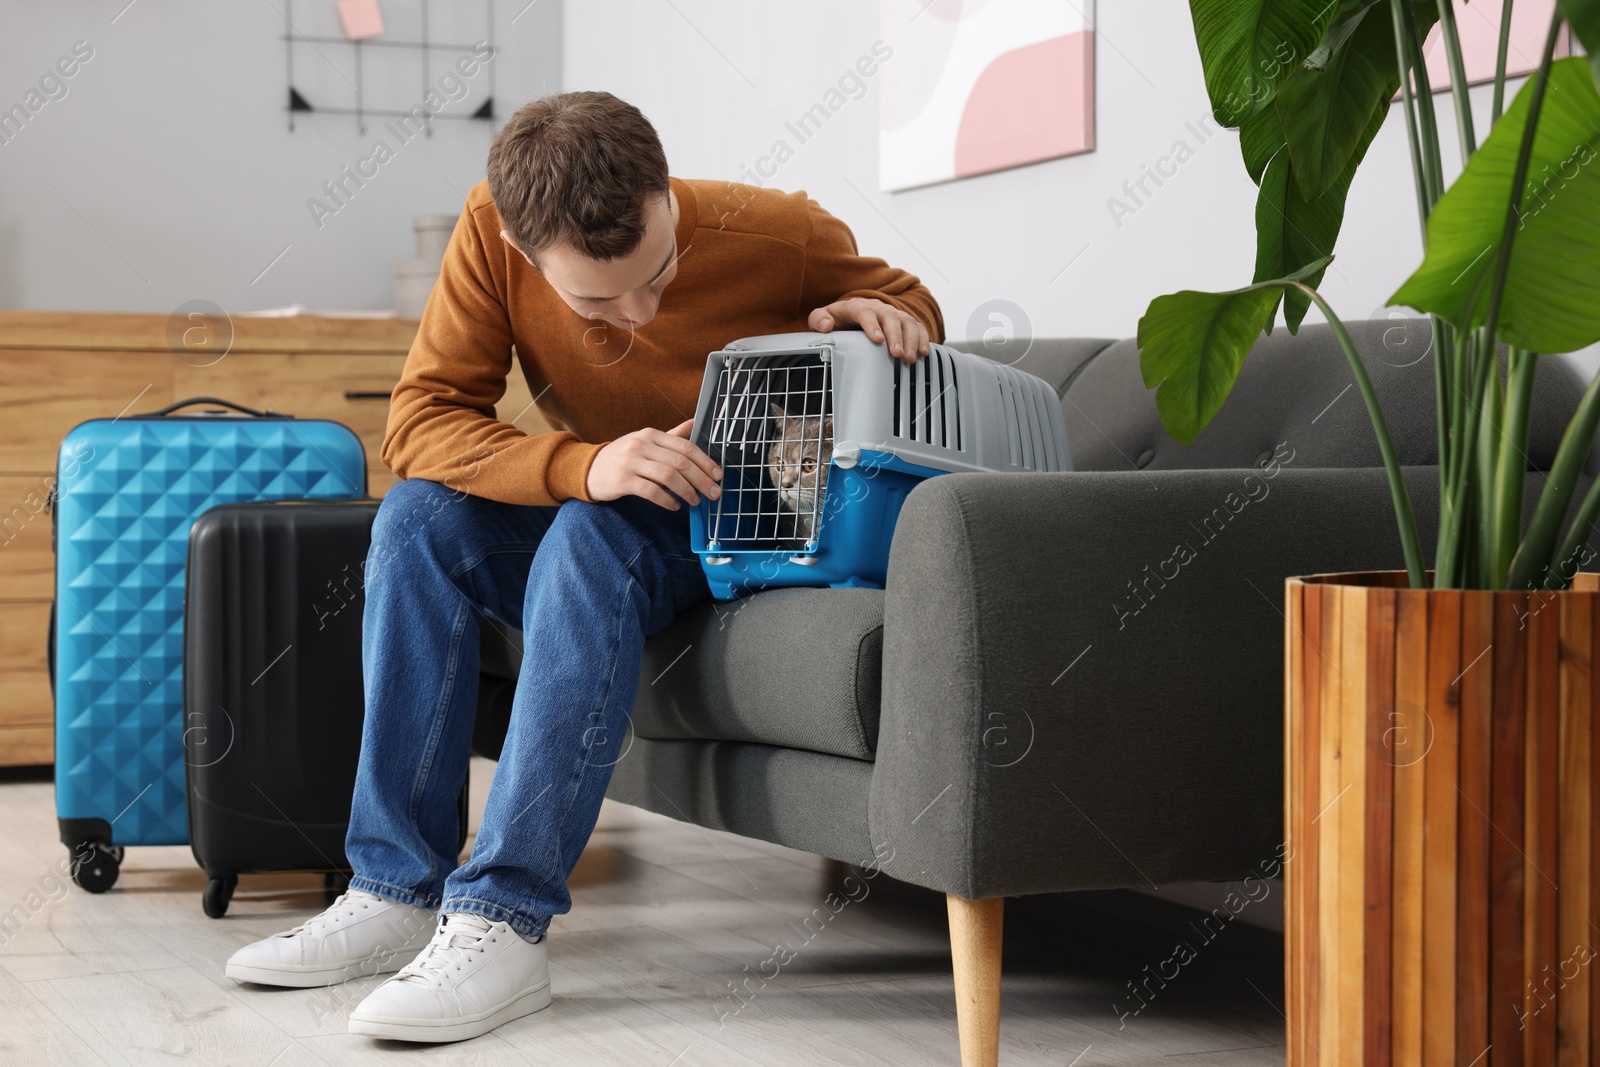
x,y
95,866
218,892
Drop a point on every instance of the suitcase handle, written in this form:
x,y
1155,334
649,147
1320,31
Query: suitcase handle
x,y
252,412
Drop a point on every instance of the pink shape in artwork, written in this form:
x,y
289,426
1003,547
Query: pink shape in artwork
x,y
1030,104
1478,30
361,19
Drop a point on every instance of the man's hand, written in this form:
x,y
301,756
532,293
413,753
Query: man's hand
x,y
649,462
907,338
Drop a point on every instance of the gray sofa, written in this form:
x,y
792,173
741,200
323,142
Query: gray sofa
x,y
1051,694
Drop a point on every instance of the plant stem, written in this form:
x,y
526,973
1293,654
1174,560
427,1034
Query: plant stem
x,y
1428,126
1491,408
1402,56
1533,559
1577,535
1500,63
1505,521
1448,569
1458,79
1419,181
1519,178
1442,337
1409,543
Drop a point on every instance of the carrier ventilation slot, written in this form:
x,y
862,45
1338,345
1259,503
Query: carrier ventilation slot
x,y
1019,397
1049,459
1009,415
927,399
900,416
1036,427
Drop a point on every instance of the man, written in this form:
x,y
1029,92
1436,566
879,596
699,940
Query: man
x,y
612,282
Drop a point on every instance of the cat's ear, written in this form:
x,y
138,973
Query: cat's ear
x,y
777,412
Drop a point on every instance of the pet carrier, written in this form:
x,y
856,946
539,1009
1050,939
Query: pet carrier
x,y
821,436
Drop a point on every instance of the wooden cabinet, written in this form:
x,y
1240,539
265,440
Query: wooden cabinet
x,y
58,369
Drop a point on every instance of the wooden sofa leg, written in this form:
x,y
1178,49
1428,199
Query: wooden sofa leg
x,y
975,927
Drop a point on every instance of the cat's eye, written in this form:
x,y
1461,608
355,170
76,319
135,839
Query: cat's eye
x,y
808,465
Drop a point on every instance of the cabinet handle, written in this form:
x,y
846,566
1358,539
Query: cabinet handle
x,y
357,395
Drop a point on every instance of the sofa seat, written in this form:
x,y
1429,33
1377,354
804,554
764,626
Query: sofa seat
x,y
802,669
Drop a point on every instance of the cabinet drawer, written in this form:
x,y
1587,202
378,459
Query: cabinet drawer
x,y
26,563
352,390
22,746
25,698
43,394
24,627
380,480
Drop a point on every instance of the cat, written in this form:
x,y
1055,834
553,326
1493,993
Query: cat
x,y
797,466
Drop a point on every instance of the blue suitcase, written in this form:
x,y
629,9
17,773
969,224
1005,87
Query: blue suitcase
x,y
127,492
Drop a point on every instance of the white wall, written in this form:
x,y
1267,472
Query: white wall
x,y
719,78
1007,235
167,173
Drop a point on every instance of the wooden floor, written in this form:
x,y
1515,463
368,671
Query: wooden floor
x,y
667,921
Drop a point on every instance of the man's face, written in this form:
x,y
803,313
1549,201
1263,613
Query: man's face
x,y
624,292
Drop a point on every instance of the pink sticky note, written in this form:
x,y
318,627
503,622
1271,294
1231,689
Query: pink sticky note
x,y
361,18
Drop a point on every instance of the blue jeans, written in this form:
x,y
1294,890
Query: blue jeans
x,y
586,583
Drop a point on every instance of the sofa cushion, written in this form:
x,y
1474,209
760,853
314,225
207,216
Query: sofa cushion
x,y
1296,390
799,668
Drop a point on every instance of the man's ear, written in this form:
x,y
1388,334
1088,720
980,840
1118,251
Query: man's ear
x,y
505,235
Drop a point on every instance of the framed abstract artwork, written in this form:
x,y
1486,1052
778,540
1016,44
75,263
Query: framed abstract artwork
x,y
975,86
1478,27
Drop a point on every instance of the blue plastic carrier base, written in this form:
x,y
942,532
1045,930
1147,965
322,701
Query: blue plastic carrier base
x,y
857,525
127,492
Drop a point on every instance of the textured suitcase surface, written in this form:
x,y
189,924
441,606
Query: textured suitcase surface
x,y
272,689
128,491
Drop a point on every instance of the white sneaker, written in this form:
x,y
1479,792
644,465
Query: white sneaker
x,y
359,935
473,976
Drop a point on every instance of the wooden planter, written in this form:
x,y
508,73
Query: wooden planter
x,y
1440,818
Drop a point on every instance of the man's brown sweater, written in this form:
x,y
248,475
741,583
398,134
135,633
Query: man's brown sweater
x,y
752,261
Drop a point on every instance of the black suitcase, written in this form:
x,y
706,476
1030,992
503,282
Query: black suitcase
x,y
272,691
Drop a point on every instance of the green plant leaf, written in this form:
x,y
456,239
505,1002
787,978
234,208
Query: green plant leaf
x,y
1248,47
1550,302
1584,18
1192,344
1292,232
1325,113
1260,138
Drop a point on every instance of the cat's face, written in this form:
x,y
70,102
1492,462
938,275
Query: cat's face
x,y
797,461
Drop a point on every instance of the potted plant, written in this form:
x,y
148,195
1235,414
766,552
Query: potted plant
x,y
1442,767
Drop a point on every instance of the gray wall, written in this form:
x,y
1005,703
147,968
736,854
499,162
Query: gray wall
x,y
167,172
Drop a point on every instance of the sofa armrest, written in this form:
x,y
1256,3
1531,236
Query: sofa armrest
x,y
1083,672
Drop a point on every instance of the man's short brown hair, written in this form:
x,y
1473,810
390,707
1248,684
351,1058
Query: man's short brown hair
x,y
577,167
